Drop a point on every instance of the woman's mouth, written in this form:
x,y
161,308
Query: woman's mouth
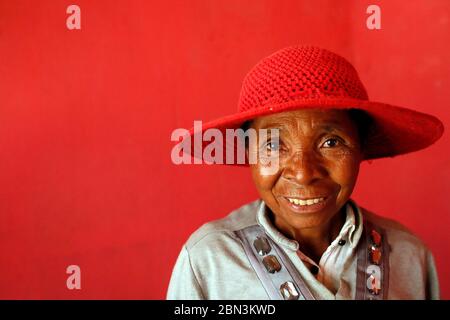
x,y
306,202
308,205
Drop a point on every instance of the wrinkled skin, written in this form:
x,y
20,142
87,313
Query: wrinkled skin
x,y
319,156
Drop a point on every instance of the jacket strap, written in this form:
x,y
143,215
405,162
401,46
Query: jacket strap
x,y
372,278
282,281
279,277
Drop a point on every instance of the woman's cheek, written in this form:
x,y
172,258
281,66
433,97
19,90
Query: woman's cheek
x,y
265,182
345,173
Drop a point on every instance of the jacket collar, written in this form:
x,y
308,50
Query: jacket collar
x,y
351,230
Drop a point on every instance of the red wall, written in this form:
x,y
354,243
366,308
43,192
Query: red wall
x,y
86,117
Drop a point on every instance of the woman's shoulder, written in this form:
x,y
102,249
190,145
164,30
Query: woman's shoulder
x,y
222,229
410,260
397,233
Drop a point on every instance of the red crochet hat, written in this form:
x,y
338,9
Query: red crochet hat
x,y
311,77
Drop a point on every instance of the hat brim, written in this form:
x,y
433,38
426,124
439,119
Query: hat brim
x,y
395,131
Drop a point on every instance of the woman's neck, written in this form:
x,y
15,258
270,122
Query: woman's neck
x,y
314,241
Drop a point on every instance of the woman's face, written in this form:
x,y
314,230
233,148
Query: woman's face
x,y
319,157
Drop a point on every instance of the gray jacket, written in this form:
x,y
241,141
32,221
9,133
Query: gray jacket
x,y
213,265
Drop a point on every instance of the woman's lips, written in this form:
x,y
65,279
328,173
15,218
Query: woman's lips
x,y
309,205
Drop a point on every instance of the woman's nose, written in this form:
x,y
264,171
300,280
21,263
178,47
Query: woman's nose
x,y
303,168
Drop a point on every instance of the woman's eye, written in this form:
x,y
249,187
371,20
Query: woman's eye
x,y
330,143
272,146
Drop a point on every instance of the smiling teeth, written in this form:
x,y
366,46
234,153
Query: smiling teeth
x,y
307,202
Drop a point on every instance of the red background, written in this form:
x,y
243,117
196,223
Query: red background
x,y
86,118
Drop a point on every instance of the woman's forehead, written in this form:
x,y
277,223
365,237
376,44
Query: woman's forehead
x,y
309,118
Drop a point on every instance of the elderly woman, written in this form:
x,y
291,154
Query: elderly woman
x,y
306,238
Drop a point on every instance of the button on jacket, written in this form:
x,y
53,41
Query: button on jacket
x,y
212,264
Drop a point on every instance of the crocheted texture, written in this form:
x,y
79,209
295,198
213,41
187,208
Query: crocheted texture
x,y
298,73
